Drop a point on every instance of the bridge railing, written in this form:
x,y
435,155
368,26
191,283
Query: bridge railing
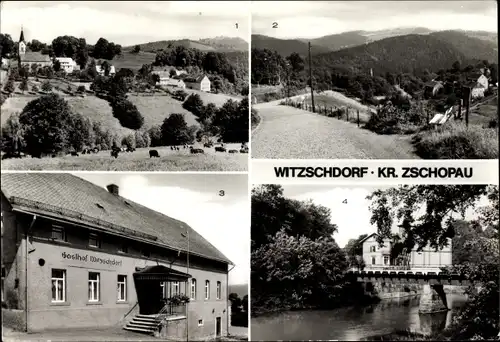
x,y
409,276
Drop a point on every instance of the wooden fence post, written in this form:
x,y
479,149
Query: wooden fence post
x,y
347,114
358,117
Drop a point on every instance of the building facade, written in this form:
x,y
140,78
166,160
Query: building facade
x,y
67,64
65,266
201,83
101,72
378,257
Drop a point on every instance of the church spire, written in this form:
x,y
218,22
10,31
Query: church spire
x,y
21,38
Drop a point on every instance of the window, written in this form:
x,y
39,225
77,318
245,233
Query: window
x,y
386,260
175,288
58,233
373,260
373,248
94,240
200,322
219,288
58,286
122,288
207,289
193,289
94,287
123,248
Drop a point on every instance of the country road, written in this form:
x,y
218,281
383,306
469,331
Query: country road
x,y
289,133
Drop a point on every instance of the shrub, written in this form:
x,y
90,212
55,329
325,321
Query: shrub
x,y
194,104
392,119
174,131
127,113
255,118
46,86
455,141
80,89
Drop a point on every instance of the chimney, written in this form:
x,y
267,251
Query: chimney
x,y
113,189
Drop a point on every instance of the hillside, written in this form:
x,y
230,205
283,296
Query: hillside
x,y
226,44
340,41
133,61
285,47
165,44
372,36
409,53
472,48
483,35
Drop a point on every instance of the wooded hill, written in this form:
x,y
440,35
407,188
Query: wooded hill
x,y
474,44
219,44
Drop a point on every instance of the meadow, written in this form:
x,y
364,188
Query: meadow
x,y
139,160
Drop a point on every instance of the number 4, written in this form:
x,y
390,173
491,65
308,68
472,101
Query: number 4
x,y
344,201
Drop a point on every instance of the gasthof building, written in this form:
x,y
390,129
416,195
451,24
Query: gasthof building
x,y
75,255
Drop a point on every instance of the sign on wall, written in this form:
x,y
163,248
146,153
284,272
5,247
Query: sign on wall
x,y
91,258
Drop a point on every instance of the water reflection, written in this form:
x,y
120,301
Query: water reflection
x,y
353,324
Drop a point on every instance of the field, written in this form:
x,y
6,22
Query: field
x,y
331,98
138,161
133,61
217,99
154,108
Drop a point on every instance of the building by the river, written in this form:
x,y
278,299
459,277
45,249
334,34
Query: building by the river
x,y
379,258
75,255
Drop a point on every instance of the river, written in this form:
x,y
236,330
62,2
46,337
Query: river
x,y
353,324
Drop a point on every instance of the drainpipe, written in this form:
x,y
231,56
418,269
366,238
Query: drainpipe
x,y
227,296
26,271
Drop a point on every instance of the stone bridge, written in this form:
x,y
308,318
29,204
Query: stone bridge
x,y
433,298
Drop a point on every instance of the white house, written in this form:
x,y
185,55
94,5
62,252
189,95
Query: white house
x,y
177,83
379,258
200,82
100,70
67,64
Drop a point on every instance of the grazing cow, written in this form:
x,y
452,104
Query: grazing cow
x,y
219,149
154,153
208,144
130,149
114,153
95,150
196,150
233,151
74,154
244,150
171,148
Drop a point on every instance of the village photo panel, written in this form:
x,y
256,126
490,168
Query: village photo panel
x,y
125,256
351,263
390,80
148,86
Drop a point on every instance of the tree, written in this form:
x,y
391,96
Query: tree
x,y
46,86
231,121
81,89
12,135
46,123
34,69
9,86
79,132
82,54
127,113
24,85
6,45
155,135
137,49
56,65
194,104
174,131
106,67
34,88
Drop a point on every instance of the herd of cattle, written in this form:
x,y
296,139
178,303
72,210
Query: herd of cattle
x,y
115,151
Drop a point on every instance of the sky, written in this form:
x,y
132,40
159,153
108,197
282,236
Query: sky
x,y
352,218
223,220
313,19
125,22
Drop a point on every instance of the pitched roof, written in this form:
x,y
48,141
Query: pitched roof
x,y
194,79
74,199
21,37
34,57
162,74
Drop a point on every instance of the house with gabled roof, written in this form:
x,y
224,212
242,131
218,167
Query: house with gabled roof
x,y
77,255
378,257
198,82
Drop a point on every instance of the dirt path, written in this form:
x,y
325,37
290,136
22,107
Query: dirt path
x,y
289,133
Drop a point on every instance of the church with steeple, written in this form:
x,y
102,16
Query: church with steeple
x,y
28,58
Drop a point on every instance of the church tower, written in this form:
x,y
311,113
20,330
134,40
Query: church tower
x,y
22,44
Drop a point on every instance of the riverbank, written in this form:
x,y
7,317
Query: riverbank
x,y
400,336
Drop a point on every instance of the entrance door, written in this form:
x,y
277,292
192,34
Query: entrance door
x,y
217,326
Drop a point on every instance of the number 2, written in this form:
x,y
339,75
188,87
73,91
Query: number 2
x,y
275,25
236,25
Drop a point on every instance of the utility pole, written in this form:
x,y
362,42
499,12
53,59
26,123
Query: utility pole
x,y
310,79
